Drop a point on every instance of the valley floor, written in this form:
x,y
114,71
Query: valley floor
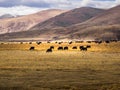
x,y
22,69
68,70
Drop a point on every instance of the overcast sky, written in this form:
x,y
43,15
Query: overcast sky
x,y
24,7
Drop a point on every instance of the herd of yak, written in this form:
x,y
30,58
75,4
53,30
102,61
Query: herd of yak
x,y
82,48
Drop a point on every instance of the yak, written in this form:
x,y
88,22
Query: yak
x,y
49,50
83,48
75,47
66,48
51,47
60,48
32,48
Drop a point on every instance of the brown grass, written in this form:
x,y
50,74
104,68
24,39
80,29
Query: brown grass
x,y
104,47
96,69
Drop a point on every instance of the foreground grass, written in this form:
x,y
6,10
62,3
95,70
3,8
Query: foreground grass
x,y
62,70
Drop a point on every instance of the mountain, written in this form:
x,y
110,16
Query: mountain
x,y
110,17
103,26
6,16
69,18
24,23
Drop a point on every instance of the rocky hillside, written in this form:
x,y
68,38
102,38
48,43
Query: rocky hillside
x,y
6,16
69,18
104,26
26,22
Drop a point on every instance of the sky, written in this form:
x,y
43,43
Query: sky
x,y
24,7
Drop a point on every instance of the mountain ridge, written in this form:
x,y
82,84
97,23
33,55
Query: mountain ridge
x,y
91,29
23,23
71,17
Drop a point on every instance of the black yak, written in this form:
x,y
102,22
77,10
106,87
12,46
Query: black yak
x,y
75,47
88,46
60,48
49,50
51,47
83,48
30,42
32,48
107,41
38,43
70,42
65,48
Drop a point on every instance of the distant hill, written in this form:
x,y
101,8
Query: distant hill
x,y
103,26
71,17
6,16
24,23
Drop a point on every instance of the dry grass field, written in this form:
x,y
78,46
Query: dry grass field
x,y
95,69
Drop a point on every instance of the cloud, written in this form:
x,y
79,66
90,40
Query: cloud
x,y
66,4
30,3
20,10
104,4
24,7
85,2
117,2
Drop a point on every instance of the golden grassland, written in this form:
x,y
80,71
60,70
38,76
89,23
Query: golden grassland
x,y
104,47
95,69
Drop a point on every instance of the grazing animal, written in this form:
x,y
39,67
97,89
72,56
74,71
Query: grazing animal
x,y
21,42
88,41
75,47
2,43
49,50
114,40
51,47
65,48
70,42
32,48
38,43
82,48
99,42
79,41
48,41
59,43
60,48
30,42
88,46
107,41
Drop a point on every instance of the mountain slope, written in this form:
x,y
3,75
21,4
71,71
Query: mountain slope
x,y
111,16
69,18
6,16
46,28
105,26
25,22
